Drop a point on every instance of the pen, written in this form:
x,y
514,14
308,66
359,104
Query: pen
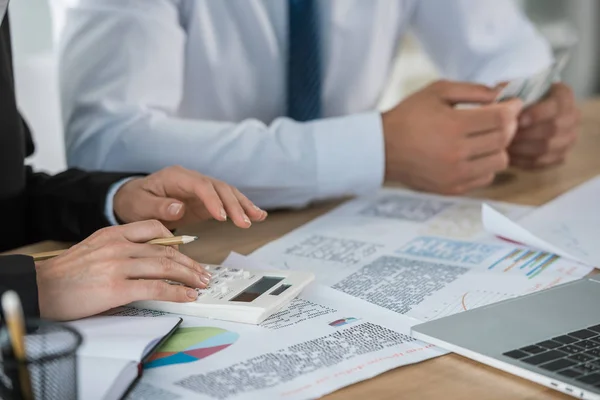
x,y
169,241
13,315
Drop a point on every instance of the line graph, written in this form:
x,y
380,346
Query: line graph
x,y
462,302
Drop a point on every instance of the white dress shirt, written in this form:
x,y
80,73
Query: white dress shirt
x,y
201,83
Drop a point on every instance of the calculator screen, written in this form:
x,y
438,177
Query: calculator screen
x,y
257,288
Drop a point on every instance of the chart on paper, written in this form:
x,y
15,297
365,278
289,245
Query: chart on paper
x,y
532,263
462,302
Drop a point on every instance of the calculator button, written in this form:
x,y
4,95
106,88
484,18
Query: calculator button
x,y
246,274
226,277
236,271
224,289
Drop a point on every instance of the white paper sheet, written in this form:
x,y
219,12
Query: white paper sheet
x,y
324,341
383,249
503,227
568,226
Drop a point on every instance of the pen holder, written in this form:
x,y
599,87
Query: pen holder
x,y
51,366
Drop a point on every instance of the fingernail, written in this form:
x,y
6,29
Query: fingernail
x,y
247,220
192,294
174,208
257,208
525,121
223,215
205,278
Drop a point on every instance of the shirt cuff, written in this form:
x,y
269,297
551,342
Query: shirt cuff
x,y
109,211
350,155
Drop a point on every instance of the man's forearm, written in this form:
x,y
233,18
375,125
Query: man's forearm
x,y
285,164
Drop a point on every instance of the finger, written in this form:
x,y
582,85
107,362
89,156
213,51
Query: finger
x,y
538,147
232,206
211,200
161,208
484,166
254,212
157,251
492,117
538,162
144,231
463,92
477,183
545,110
184,184
486,143
501,85
545,129
565,96
164,268
138,290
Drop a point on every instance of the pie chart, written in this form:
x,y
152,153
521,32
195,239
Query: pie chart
x,y
191,344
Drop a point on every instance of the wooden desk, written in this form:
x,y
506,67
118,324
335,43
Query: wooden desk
x,y
449,377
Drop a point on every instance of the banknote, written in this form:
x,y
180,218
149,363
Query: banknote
x,y
533,88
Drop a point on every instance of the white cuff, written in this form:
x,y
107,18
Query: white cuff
x,y
350,155
109,212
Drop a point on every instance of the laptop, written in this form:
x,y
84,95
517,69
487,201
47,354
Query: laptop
x,y
551,337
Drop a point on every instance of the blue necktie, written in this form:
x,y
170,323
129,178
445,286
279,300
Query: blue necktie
x,y
304,61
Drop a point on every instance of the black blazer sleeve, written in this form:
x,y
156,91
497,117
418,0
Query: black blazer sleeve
x,y
69,206
18,273
35,206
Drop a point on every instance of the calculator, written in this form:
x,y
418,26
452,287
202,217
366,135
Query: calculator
x,y
238,295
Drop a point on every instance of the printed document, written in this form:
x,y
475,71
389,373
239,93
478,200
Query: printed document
x,y
423,256
323,341
568,226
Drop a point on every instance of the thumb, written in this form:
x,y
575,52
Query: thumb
x,y
461,92
161,208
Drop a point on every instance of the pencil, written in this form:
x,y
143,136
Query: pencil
x,y
169,241
13,314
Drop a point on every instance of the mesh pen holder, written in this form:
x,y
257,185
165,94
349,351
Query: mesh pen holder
x,y
51,351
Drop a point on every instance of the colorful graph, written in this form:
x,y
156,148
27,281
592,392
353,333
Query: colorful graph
x,y
191,344
343,321
531,262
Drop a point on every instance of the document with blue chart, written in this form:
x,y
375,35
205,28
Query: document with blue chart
x,y
420,255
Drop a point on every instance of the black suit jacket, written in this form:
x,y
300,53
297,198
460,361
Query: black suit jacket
x,y
35,206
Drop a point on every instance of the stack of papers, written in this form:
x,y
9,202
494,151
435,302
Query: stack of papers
x,y
419,255
383,264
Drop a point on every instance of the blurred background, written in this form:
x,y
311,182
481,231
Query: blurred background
x,y
561,21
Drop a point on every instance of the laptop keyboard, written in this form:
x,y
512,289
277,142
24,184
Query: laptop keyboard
x,y
575,355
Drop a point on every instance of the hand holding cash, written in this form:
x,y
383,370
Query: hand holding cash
x,y
548,124
532,89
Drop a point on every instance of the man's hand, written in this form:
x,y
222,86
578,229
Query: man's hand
x,y
431,145
177,196
547,130
114,267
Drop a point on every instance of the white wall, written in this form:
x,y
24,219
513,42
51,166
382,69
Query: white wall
x,y
37,86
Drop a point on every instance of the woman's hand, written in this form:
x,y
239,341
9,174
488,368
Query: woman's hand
x,y
114,267
177,196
